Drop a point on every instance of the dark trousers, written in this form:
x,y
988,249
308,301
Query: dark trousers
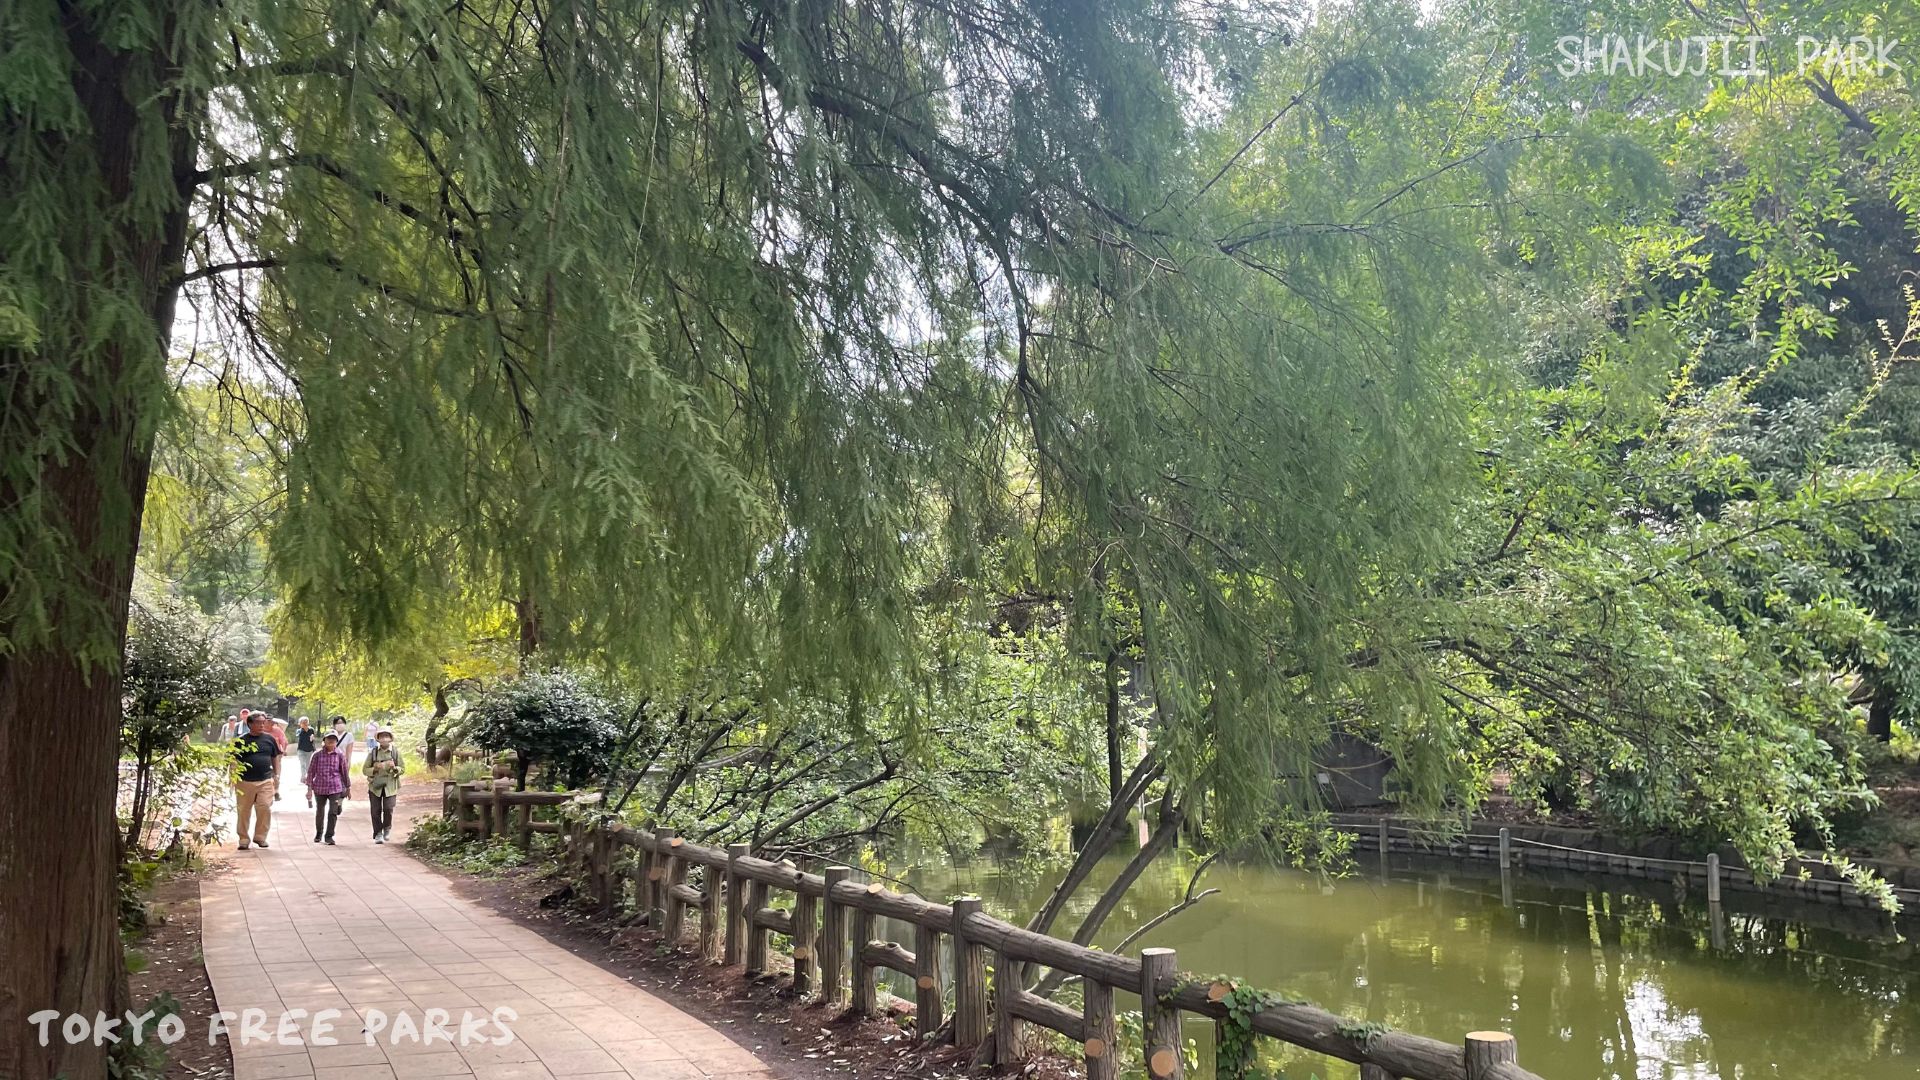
x,y
382,807
326,811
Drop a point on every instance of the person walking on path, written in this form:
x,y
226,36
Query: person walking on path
x,y
345,736
279,729
383,767
259,757
230,730
327,781
305,743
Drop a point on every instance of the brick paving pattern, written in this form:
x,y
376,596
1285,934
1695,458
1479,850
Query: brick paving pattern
x,y
362,928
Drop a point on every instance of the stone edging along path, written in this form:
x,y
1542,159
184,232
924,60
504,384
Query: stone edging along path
x,y
383,942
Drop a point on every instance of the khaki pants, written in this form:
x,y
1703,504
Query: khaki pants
x,y
256,800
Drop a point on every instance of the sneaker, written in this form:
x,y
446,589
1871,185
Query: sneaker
x,y
329,839
260,843
316,838
378,839
243,847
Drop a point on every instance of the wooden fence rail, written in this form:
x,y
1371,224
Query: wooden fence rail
x,y
827,907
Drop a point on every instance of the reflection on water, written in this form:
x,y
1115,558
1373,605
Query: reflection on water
x,y
1599,979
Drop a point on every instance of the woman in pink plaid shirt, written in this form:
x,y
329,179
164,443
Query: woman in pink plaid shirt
x,y
327,780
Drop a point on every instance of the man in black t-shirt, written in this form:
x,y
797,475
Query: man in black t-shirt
x,y
258,754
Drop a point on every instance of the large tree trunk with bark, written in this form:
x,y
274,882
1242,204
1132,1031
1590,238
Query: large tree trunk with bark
x,y
60,695
59,936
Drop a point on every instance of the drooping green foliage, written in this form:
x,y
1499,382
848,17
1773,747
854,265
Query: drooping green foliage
x,y
721,332
667,336
997,738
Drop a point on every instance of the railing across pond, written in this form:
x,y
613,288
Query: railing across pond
x,y
732,905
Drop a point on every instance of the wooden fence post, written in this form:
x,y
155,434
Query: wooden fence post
x,y
1006,1026
526,827
1159,1023
927,996
709,911
756,932
485,808
969,979
833,937
1097,1013
866,992
806,932
736,904
649,864
1486,1049
1383,836
675,922
603,865
1713,878
1506,848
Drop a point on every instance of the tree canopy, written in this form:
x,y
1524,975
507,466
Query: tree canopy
x,y
1348,366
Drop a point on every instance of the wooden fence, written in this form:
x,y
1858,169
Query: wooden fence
x,y
1810,877
834,952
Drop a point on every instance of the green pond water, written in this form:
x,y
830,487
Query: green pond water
x,y
1599,979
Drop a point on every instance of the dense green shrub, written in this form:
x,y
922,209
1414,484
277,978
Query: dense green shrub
x,y
555,720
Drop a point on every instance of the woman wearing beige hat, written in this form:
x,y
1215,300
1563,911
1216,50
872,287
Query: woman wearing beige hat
x,y
383,767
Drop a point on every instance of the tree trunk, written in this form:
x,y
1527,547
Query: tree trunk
x,y
1171,817
1116,775
1098,843
142,782
527,616
1880,715
59,778
60,695
440,710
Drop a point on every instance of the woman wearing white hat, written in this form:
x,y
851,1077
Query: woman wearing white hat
x,y
383,767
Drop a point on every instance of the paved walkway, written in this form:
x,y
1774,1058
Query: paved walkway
x,y
367,930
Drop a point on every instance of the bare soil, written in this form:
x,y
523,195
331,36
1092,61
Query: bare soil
x,y
171,946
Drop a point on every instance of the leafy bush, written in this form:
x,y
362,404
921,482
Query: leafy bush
x,y
175,676
136,880
146,1059
552,720
434,835
439,840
